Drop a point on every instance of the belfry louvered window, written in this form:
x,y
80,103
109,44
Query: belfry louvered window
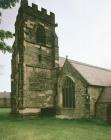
x,y
40,35
68,93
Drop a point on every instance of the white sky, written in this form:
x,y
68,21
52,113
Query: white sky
x,y
84,32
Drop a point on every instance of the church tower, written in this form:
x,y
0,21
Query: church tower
x,y
34,61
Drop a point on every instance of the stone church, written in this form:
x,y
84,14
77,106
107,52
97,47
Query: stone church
x,y
41,81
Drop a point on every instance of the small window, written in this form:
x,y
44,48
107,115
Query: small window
x,y
40,35
39,58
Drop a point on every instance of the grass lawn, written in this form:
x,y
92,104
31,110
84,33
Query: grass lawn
x,y
51,128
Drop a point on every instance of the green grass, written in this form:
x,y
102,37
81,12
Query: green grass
x,y
51,128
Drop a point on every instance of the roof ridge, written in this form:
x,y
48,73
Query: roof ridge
x,y
89,65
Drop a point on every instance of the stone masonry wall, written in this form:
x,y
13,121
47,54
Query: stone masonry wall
x,y
101,111
81,102
40,59
94,93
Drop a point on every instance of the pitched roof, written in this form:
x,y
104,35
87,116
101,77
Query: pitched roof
x,y
61,61
93,75
4,94
105,96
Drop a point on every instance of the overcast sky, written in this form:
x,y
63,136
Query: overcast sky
x,y
84,32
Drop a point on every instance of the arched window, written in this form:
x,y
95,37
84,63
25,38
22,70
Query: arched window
x,y
40,35
68,93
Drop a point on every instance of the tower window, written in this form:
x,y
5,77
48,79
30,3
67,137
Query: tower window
x,y
39,58
40,35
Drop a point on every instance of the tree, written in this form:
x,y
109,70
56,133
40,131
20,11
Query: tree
x,y
3,46
4,4
8,3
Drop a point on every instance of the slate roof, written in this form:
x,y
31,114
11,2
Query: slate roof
x,y
105,96
4,94
93,75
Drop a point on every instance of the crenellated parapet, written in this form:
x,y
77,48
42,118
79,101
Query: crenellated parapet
x,y
43,11
33,11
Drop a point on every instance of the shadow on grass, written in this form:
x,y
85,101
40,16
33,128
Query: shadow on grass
x,y
6,116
